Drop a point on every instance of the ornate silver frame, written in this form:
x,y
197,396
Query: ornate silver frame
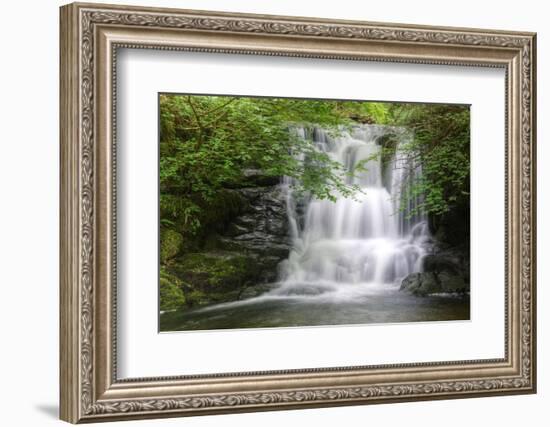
x,y
90,36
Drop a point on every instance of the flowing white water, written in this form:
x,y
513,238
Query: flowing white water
x,y
366,241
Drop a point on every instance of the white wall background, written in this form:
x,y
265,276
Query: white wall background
x,y
29,170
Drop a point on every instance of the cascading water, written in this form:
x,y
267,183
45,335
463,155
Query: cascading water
x,y
374,238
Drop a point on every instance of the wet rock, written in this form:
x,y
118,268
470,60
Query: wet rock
x,y
440,277
453,283
451,268
256,290
421,284
241,252
445,271
443,261
260,232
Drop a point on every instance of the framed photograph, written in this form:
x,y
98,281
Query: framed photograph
x,y
267,212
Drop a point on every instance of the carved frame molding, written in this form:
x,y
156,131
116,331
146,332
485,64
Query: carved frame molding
x,y
90,37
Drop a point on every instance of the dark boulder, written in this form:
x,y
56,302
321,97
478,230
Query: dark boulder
x,y
446,271
443,261
420,284
427,283
260,233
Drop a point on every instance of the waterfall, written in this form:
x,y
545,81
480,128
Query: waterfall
x,y
376,237
348,256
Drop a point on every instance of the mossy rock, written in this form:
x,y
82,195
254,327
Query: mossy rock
x,y
171,293
209,277
170,244
215,269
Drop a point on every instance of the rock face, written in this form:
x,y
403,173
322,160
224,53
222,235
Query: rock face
x,y
446,271
261,232
239,250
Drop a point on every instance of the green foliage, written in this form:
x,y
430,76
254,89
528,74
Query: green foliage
x,y
441,142
367,112
190,214
207,141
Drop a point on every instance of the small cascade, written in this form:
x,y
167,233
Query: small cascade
x,y
372,238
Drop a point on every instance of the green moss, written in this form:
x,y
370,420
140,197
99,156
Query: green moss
x,y
209,277
218,269
197,297
170,244
171,294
